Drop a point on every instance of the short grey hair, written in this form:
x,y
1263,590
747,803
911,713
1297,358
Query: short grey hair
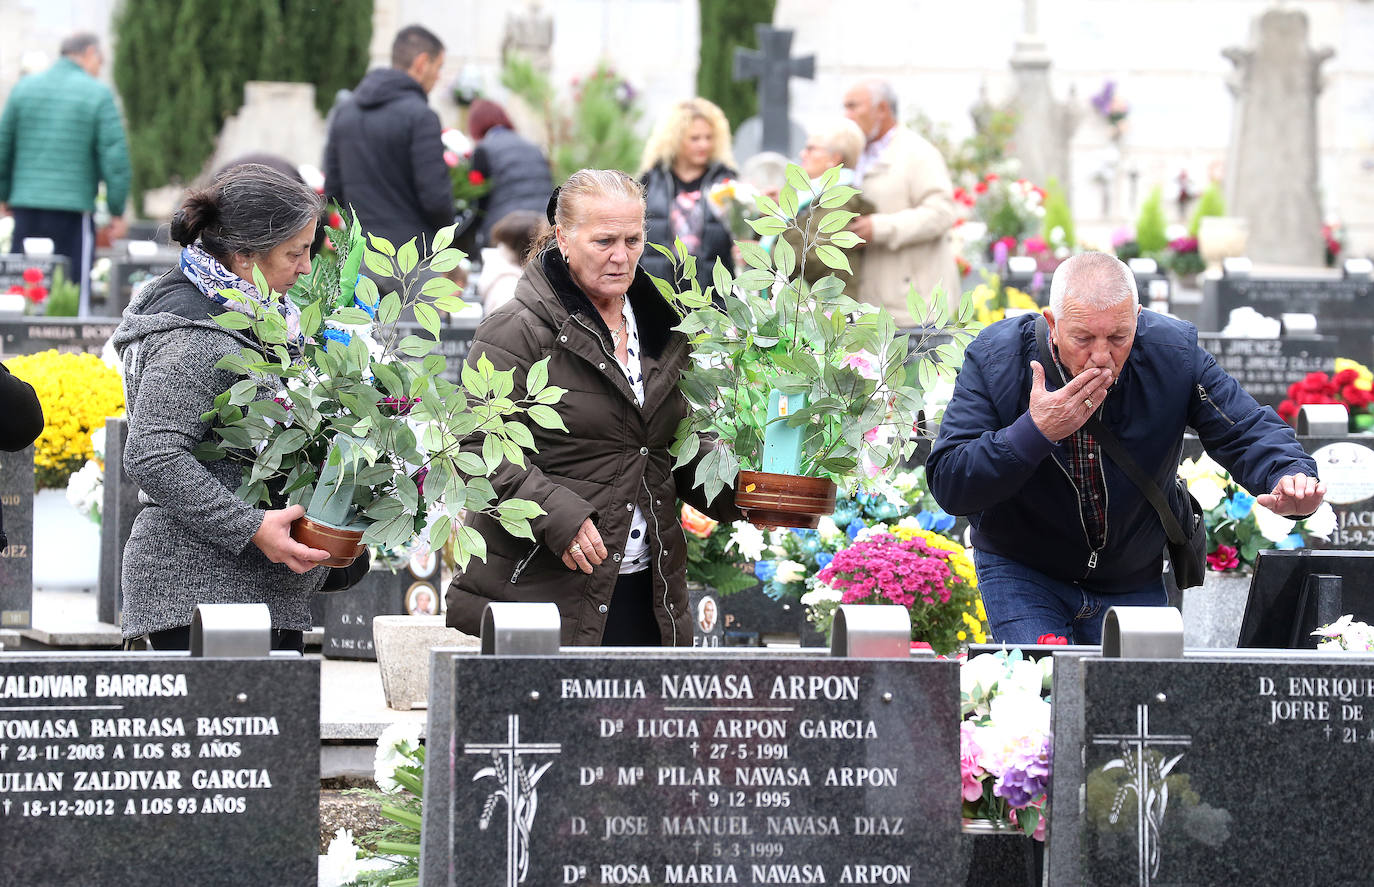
x,y
1093,280
841,136
882,91
78,43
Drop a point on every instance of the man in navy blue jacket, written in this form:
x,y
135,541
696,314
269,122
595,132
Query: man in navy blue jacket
x,y
1060,533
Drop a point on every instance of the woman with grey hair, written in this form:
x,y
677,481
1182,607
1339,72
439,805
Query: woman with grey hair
x,y
195,540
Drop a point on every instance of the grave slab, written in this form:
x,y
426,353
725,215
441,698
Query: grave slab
x,y
1182,765
676,768
153,764
16,559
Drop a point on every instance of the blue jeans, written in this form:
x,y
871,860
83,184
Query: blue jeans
x,y
1022,604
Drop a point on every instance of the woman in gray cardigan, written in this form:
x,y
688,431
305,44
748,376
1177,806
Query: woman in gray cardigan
x,y
195,541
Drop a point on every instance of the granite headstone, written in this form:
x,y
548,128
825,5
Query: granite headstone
x,y
1342,306
1214,769
138,769
661,769
16,559
13,266
1266,367
348,614
29,335
119,506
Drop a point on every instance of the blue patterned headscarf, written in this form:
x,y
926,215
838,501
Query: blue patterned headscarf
x,y
210,276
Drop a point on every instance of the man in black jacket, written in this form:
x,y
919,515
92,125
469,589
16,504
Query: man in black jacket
x,y
384,157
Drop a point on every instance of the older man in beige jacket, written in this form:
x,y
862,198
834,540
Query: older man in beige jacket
x,y
908,237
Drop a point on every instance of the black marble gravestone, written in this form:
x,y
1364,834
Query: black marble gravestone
x,y
143,769
348,614
13,266
691,769
29,335
1214,769
1266,367
119,506
16,559
1343,307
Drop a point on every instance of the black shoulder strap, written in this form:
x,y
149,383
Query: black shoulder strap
x,y
1111,445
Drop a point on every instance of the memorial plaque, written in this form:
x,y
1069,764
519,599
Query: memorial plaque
x,y
348,614
691,769
13,266
142,769
30,335
752,610
1266,367
16,557
1344,308
1214,770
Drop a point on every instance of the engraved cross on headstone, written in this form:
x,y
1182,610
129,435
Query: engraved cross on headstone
x,y
1149,803
517,789
773,69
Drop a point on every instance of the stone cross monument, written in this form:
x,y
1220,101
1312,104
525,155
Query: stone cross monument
x,y
1271,169
1044,125
774,68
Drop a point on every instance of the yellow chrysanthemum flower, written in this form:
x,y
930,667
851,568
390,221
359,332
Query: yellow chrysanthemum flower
x,y
77,392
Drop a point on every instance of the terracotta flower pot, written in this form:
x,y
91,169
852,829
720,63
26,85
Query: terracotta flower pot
x,y
342,544
784,500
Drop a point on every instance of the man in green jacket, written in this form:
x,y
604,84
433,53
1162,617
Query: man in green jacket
x,y
60,136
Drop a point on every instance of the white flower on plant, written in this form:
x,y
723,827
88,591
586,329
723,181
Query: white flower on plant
x,y
908,523
827,528
86,490
821,594
1346,634
789,572
871,530
340,864
1207,492
457,141
979,675
1020,712
98,443
1274,527
746,539
1322,523
392,747
1203,466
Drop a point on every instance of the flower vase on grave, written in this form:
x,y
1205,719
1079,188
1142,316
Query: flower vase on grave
x,y
1221,237
998,854
1212,614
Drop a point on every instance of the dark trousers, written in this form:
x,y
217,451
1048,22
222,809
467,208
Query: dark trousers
x,y
630,622
73,238
180,639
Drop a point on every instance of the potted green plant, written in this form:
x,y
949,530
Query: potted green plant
x,y
801,387
359,423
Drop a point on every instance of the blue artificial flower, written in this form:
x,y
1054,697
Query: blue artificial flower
x,y
1240,505
823,560
341,336
925,520
1294,540
854,527
944,522
765,570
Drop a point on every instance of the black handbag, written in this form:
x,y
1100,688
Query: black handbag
x,y
1187,550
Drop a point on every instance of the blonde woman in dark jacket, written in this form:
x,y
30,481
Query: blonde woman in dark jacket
x,y
609,550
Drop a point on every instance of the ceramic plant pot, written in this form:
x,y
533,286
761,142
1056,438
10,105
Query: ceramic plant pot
x,y
784,500
343,544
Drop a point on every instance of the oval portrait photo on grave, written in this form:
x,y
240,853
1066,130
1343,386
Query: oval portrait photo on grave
x,y
422,600
1347,469
708,613
423,562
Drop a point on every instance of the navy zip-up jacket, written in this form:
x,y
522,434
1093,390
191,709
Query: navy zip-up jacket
x,y
991,462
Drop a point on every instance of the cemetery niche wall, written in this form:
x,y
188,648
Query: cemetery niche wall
x,y
1344,308
691,769
127,769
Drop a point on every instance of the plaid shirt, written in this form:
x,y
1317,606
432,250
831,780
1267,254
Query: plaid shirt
x,y
1081,458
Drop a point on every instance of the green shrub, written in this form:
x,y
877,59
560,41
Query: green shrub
x,y
1058,215
1151,225
725,26
1211,203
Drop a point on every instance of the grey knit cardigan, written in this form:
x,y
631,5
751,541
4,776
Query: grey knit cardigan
x,y
192,543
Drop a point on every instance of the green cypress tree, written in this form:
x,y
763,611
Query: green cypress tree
x,y
726,25
1151,225
1058,215
180,69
